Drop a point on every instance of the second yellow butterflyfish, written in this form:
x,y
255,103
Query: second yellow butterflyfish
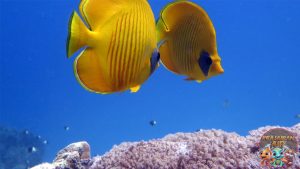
x,y
188,41
119,38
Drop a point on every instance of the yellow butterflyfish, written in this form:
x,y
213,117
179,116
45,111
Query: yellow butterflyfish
x,y
188,41
119,38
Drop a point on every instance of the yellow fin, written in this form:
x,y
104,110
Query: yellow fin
x,y
199,81
179,10
135,89
97,12
78,33
89,74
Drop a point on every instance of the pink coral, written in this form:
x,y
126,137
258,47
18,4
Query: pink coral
x,y
206,149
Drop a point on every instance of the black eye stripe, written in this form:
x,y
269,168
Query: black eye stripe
x,y
204,62
154,60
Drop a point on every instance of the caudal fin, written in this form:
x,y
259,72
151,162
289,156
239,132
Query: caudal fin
x,y
78,33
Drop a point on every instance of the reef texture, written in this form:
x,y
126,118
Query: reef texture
x,y
205,149
19,149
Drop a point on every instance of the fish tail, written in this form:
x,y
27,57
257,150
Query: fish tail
x,y
78,33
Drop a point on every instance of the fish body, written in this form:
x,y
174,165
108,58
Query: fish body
x,y
120,44
188,39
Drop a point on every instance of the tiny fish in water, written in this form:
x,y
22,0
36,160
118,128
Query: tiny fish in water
x,y
153,122
26,132
188,41
67,128
119,38
32,149
45,142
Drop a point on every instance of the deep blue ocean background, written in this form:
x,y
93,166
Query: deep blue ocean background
x,y
258,41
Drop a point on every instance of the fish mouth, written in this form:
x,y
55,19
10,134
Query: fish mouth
x,y
218,68
215,69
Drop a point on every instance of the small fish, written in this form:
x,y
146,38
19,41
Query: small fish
x,y
188,41
152,122
67,128
32,149
119,38
45,142
26,132
297,116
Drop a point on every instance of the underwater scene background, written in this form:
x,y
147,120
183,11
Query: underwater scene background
x,y
258,42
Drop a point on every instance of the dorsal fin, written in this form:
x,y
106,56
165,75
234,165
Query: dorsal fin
x,y
97,12
179,10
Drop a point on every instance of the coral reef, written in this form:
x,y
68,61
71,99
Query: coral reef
x,y
205,149
19,149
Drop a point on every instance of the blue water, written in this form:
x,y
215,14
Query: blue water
x,y
258,42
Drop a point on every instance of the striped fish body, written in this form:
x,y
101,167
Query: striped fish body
x,y
187,31
119,44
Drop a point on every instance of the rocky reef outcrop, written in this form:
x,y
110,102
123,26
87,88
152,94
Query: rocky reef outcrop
x,y
205,149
